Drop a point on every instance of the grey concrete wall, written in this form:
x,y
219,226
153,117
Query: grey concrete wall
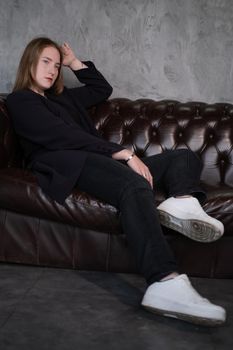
x,y
179,49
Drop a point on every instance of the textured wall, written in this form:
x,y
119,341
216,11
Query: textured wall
x,y
180,49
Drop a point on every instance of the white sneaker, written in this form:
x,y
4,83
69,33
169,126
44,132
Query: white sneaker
x,y
177,298
186,216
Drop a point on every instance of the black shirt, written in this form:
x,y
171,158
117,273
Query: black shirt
x,y
56,133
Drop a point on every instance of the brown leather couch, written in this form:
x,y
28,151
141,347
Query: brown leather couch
x,y
85,232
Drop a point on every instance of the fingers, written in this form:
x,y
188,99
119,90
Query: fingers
x,y
147,175
139,167
66,45
145,172
65,48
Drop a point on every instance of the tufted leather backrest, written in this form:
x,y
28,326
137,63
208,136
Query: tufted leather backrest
x,y
149,127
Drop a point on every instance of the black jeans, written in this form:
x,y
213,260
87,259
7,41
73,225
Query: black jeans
x,y
174,172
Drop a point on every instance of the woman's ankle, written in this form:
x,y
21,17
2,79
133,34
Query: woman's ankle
x,y
170,276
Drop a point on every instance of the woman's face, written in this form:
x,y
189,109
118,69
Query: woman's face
x,y
47,70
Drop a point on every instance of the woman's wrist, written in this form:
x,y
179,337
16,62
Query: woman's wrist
x,y
130,157
125,154
76,64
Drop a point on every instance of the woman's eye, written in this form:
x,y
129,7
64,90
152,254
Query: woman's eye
x,y
45,61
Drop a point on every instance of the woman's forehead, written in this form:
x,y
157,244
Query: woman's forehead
x,y
52,53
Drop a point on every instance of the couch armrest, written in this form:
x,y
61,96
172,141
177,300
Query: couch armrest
x,y
10,151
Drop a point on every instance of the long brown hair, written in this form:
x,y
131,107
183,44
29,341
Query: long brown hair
x,y
29,61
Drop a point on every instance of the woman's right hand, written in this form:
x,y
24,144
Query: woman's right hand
x,y
135,164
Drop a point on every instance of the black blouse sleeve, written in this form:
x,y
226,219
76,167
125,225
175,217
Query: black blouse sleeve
x,y
96,88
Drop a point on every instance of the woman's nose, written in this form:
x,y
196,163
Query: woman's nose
x,y
51,70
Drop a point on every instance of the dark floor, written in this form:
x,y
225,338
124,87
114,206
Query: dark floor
x,y
45,308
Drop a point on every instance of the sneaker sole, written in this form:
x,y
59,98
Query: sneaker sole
x,y
195,229
198,320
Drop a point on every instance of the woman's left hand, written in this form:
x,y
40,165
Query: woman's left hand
x,y
135,164
139,167
68,54
70,59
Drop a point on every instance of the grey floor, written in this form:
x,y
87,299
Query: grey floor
x,y
45,308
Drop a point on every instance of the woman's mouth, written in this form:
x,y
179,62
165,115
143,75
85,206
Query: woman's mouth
x,y
49,79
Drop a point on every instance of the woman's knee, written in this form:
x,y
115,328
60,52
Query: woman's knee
x,y
138,182
135,186
190,156
194,158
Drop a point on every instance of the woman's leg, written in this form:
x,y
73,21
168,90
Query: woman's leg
x,y
177,173
120,186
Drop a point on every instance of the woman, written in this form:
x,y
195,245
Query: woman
x,y
63,149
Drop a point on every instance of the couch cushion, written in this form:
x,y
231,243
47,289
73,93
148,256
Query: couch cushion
x,y
20,193
219,204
